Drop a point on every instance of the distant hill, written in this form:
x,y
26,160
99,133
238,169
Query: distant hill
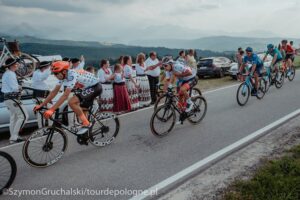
x,y
94,53
216,43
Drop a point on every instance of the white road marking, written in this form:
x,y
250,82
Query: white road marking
x,y
202,164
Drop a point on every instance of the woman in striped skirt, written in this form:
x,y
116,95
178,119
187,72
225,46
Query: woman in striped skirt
x,y
142,81
132,87
105,76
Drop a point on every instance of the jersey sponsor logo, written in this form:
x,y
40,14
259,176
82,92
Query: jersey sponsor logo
x,y
87,92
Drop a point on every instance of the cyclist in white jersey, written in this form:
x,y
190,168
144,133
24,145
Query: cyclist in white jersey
x,y
73,79
185,77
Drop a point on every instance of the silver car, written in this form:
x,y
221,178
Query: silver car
x,y
27,100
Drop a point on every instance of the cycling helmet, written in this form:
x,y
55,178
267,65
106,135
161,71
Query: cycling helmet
x,y
59,66
270,46
249,49
167,60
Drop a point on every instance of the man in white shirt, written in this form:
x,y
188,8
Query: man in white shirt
x,y
41,89
12,91
153,72
78,63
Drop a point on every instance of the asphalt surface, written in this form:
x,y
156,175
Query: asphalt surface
x,y
138,160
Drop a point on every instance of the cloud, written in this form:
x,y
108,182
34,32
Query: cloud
x,y
125,20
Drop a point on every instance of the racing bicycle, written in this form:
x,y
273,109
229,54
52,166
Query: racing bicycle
x,y
8,171
246,88
48,144
164,117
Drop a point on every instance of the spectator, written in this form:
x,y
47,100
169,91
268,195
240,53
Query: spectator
x,y
153,72
91,69
11,90
41,89
239,57
191,61
121,61
121,97
78,63
142,81
182,57
105,76
132,87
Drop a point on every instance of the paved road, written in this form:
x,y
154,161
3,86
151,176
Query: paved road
x,y
138,160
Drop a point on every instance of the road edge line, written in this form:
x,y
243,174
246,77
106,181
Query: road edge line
x,y
169,183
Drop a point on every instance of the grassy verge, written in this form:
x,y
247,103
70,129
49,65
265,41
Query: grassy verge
x,y
275,180
213,83
297,61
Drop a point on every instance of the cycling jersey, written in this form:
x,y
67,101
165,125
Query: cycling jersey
x,y
180,68
253,60
275,52
79,79
288,49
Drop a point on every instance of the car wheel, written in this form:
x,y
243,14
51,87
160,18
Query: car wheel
x,y
220,74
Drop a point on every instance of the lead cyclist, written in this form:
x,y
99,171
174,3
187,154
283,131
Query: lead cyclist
x,y
73,79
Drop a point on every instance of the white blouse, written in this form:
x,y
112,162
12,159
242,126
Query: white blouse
x,y
140,70
104,77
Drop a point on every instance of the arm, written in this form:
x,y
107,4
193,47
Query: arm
x,y
274,60
183,74
44,75
62,99
52,94
265,57
253,69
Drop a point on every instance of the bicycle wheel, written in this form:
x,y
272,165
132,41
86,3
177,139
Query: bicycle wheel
x,y
8,171
104,130
27,66
160,100
268,81
199,110
163,120
292,73
261,88
243,93
45,147
279,79
196,92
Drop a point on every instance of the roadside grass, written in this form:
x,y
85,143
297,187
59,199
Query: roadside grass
x,y
205,84
275,180
297,61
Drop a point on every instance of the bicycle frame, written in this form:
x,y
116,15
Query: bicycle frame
x,y
247,83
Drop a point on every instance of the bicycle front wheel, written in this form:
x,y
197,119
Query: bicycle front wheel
x,y
243,93
160,100
261,88
279,79
163,120
292,73
199,110
45,147
8,171
104,130
196,92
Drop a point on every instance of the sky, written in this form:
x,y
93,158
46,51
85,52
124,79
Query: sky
x,y
129,20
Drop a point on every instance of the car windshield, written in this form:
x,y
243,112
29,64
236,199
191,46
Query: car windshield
x,y
205,63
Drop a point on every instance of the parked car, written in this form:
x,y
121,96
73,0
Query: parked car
x,y
213,66
27,100
234,66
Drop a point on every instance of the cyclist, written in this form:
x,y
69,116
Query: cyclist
x,y
73,79
255,69
289,57
185,78
277,57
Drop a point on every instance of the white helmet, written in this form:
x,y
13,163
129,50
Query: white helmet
x,y
167,60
